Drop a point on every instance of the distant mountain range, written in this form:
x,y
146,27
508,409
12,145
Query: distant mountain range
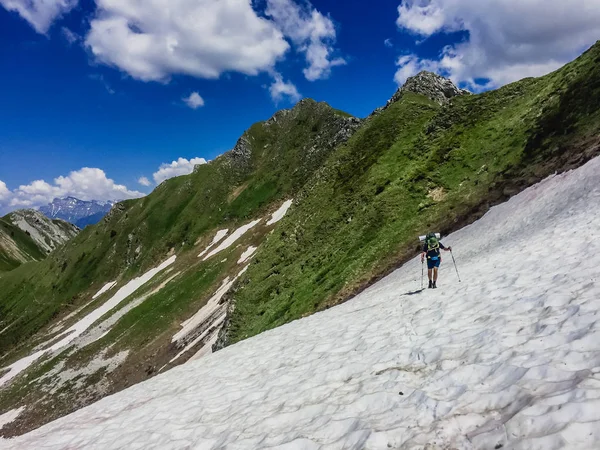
x,y
78,212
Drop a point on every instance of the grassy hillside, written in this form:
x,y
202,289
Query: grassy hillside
x,y
270,162
416,167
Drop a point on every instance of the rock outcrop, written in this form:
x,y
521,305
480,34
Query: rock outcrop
x,y
47,234
439,89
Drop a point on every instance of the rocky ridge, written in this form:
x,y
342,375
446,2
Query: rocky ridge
x,y
433,86
46,233
336,129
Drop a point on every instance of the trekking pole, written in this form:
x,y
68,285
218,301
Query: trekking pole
x,y
422,273
456,268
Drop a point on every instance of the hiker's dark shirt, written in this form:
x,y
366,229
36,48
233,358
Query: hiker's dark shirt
x,y
433,253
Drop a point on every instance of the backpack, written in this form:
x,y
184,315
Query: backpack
x,y
432,242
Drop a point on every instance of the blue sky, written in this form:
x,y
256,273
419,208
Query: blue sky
x,y
81,90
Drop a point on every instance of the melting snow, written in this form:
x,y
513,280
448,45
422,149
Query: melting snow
x,y
102,329
219,321
59,375
208,311
249,253
231,239
510,357
77,329
220,235
10,416
107,287
280,213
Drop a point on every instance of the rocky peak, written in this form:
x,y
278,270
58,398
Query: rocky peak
x,y
429,84
432,85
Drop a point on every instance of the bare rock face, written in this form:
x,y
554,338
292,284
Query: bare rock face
x,y
431,85
439,89
46,233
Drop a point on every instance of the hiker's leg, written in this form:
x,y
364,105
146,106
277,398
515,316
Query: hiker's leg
x,y
435,274
429,273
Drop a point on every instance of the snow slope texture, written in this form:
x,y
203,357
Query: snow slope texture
x,y
510,357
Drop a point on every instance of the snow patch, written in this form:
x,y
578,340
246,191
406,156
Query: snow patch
x,y
233,238
81,326
280,213
102,329
249,253
10,416
199,339
509,358
62,323
220,235
211,310
107,287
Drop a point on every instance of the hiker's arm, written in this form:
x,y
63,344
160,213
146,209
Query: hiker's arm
x,y
446,249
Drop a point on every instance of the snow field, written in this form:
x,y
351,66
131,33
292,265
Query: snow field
x,y
510,357
82,325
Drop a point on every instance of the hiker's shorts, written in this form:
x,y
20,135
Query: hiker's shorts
x,y
433,263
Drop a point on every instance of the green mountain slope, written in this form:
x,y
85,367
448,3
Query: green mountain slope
x,y
415,167
270,161
363,190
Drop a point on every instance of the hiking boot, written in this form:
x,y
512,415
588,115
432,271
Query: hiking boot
x,y
434,286
431,284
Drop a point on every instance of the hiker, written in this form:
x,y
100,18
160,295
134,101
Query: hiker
x,y
431,249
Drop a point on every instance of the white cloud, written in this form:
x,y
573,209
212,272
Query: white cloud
x,y
421,16
39,13
506,40
388,43
194,100
153,40
4,192
409,65
280,90
311,32
144,181
85,184
69,36
177,168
